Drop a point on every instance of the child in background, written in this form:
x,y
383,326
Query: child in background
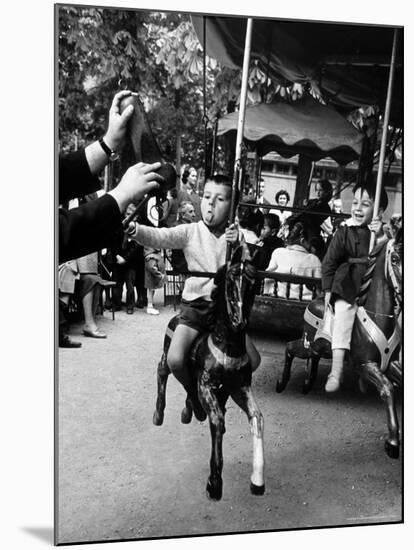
x,y
204,245
268,241
154,276
343,268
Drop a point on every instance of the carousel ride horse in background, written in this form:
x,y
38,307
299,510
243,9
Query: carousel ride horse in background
x,y
376,336
220,368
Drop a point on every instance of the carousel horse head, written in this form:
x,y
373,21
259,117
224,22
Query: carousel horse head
x,y
236,286
393,265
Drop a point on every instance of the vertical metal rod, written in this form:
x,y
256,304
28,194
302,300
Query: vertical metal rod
x,y
213,148
205,119
240,127
384,135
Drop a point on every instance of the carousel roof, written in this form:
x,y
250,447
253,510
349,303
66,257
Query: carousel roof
x,y
304,126
349,63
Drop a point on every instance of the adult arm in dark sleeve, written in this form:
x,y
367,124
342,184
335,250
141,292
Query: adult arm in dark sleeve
x,y
92,226
75,177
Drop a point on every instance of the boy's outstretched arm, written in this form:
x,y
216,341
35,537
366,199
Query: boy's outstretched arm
x,y
160,237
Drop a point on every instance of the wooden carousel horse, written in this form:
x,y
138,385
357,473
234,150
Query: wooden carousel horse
x,y
376,336
221,368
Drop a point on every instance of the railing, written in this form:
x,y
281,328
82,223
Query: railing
x,y
285,291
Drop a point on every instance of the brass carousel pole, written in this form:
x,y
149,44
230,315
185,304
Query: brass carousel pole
x,y
384,135
240,129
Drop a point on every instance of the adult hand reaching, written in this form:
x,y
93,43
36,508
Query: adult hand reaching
x,y
115,135
137,181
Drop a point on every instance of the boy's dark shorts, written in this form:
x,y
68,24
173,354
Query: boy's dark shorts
x,y
197,314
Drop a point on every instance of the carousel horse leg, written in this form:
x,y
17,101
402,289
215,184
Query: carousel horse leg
x,y
215,413
394,373
292,350
311,373
244,398
187,412
371,373
162,376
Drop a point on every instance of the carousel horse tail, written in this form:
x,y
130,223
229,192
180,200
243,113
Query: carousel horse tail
x,y
144,144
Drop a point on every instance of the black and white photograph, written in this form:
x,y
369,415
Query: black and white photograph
x,y
230,274
227,211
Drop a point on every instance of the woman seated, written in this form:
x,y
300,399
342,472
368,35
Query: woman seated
x,y
88,291
79,278
295,259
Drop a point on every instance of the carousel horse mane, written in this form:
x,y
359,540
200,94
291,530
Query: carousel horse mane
x,y
235,288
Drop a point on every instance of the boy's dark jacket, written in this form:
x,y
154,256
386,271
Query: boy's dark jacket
x,y
345,262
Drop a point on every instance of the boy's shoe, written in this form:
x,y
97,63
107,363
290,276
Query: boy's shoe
x,y
333,383
152,311
130,310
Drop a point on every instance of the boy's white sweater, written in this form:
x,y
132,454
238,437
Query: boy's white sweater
x,y
202,250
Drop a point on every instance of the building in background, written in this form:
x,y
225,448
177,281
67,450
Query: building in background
x,y
280,173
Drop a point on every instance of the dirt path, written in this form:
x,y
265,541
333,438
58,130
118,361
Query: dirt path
x,y
120,477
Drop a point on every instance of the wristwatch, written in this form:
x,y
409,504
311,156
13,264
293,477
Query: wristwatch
x,y
112,155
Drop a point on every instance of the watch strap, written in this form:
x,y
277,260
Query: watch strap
x,y
112,155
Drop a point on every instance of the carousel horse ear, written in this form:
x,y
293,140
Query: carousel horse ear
x,y
144,144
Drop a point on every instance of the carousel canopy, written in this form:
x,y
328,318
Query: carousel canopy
x,y
304,126
348,63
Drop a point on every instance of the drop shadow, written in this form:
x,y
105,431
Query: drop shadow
x,y
43,533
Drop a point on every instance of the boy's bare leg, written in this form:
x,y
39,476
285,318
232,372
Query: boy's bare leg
x,y
253,354
177,360
178,352
334,380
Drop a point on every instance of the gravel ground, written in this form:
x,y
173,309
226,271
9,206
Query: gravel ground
x,y
121,477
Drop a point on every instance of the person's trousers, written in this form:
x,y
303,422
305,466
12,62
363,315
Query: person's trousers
x,y
343,323
123,274
63,321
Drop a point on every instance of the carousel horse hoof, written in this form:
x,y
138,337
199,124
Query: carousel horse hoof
x,y
257,489
200,414
280,386
158,418
306,388
214,491
393,451
186,415
198,410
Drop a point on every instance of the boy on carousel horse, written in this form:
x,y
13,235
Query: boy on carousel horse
x,y
204,245
343,268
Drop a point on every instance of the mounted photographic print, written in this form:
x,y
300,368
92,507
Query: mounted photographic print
x,y
229,274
